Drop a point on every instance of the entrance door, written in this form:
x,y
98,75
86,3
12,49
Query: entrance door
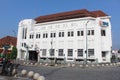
x,y
33,56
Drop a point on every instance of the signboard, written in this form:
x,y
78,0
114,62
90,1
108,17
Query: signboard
x,y
103,24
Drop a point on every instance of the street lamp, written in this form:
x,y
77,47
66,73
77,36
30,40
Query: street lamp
x,y
86,51
51,50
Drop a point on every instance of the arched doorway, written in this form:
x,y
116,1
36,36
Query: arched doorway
x,y
33,56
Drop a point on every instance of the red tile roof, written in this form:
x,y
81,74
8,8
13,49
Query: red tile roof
x,y
9,40
70,15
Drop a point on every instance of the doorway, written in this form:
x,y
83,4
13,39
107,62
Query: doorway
x,y
33,56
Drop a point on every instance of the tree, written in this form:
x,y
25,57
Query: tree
x,y
13,54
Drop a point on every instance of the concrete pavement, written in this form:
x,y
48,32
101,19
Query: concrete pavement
x,y
76,73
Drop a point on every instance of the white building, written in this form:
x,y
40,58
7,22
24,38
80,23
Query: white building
x,y
62,36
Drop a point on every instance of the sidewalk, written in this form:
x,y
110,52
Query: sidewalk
x,y
12,78
4,78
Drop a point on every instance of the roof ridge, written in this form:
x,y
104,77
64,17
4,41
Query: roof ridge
x,y
69,15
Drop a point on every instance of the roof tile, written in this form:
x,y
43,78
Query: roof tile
x,y
69,15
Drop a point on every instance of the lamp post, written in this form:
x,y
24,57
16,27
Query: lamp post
x,y
51,51
86,51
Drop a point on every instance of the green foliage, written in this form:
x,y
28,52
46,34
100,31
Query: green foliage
x,y
113,58
8,56
13,54
0,55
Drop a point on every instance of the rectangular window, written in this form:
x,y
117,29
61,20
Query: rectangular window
x,y
44,35
53,35
62,34
92,32
23,33
103,54
52,51
70,52
70,33
59,34
31,36
39,35
60,52
22,45
103,33
36,36
90,52
44,52
82,33
88,32
80,52
78,33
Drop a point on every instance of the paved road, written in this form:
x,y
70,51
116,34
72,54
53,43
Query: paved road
x,y
13,78
69,73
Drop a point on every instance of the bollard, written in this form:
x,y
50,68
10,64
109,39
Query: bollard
x,y
14,72
81,65
40,63
24,63
111,64
98,65
41,78
114,64
106,64
36,64
31,63
73,65
46,64
15,75
24,72
30,74
119,63
86,65
36,75
27,63
93,65
56,65
103,65
68,64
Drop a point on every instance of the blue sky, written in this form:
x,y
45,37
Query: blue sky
x,y
12,11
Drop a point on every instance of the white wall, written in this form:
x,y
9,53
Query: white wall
x,y
96,41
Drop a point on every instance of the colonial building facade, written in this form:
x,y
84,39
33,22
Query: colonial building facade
x,y
79,35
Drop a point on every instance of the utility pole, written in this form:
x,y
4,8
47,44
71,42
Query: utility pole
x,y
86,51
51,51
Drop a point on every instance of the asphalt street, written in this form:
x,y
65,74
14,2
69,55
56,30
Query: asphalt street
x,y
75,73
